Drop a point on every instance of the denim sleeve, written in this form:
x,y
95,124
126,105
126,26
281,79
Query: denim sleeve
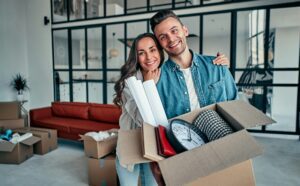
x,y
230,86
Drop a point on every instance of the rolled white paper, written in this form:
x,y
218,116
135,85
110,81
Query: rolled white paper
x,y
155,103
138,93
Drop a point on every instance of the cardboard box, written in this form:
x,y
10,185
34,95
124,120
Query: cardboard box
x,y
48,139
242,173
102,171
12,123
10,110
98,149
203,161
17,153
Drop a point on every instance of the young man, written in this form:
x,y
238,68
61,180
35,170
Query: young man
x,y
188,80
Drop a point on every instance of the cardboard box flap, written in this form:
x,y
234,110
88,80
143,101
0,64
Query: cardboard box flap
x,y
243,113
150,146
129,147
6,146
207,159
30,141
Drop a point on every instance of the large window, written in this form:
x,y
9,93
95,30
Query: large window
x,y
264,53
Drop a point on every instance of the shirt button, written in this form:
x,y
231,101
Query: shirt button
x,y
185,93
181,77
187,109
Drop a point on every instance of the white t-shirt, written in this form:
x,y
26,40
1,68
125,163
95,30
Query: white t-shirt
x,y
194,103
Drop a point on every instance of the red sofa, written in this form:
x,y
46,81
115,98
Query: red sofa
x,y
72,118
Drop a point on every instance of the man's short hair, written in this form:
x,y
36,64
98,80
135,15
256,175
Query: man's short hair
x,y
161,16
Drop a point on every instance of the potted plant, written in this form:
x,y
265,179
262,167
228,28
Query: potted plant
x,y
19,83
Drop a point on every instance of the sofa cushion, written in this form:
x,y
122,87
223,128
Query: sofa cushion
x,y
70,109
104,113
61,124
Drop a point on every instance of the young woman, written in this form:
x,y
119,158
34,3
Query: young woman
x,y
145,58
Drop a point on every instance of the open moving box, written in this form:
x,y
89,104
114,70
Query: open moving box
x,y
48,139
17,153
98,149
139,146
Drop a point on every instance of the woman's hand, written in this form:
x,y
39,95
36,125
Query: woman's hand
x,y
221,59
147,75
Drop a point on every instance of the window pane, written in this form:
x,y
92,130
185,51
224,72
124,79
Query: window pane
x,y
115,46
284,48
160,4
260,48
250,39
60,45
62,86
76,9
283,108
95,8
79,91
59,10
184,3
133,30
266,76
78,49
216,34
112,77
193,24
114,7
110,93
87,75
94,58
214,1
95,92
285,77
136,6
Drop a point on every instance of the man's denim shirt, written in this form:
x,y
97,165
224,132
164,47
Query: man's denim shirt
x,y
212,83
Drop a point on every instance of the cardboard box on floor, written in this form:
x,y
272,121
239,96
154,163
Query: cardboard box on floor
x,y
139,146
10,110
17,153
102,171
12,123
98,149
48,139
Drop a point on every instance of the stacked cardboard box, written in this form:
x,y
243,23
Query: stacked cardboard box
x,y
48,139
226,161
101,159
10,115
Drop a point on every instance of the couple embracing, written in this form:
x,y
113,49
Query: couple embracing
x,y
185,81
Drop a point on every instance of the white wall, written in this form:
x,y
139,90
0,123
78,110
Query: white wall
x,y
13,45
39,53
25,47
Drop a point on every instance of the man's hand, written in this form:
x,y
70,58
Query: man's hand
x,y
221,59
147,75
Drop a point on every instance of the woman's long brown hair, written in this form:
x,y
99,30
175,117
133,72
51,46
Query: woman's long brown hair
x,y
131,66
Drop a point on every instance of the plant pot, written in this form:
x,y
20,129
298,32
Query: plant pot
x,y
20,97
